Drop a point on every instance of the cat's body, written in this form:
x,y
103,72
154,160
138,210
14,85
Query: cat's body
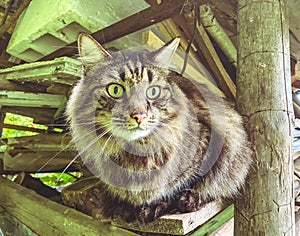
x,y
156,140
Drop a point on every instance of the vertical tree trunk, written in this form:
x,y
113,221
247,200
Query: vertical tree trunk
x,y
264,96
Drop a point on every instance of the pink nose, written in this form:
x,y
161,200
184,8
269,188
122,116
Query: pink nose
x,y
139,116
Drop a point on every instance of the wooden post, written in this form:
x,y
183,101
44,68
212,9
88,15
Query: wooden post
x,y
264,96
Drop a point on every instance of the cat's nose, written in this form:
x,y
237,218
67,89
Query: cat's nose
x,y
139,116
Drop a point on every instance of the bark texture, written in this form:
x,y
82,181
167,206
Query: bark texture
x,y
264,97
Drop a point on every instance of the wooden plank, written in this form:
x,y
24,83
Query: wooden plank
x,y
30,153
25,99
205,47
13,19
219,35
60,70
204,44
40,116
23,128
265,97
225,230
138,21
176,224
45,217
10,225
215,222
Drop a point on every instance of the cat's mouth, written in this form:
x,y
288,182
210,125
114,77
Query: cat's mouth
x,y
132,133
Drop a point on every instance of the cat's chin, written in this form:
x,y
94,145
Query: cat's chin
x,y
132,134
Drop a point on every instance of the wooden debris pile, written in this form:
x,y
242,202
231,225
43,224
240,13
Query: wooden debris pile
x,y
40,90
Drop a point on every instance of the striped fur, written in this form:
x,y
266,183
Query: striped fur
x,y
189,142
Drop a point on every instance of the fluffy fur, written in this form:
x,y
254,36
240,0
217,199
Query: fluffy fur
x,y
156,140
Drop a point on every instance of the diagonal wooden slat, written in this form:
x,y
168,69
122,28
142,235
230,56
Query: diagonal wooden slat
x,y
152,15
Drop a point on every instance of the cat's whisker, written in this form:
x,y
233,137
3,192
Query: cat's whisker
x,y
67,146
84,150
90,131
105,144
52,158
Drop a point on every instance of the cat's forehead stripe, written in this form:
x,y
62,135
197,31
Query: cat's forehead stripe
x,y
136,72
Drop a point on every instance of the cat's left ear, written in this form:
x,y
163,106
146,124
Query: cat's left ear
x,y
90,51
164,55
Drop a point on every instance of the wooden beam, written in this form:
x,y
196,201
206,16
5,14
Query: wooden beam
x,y
176,224
30,153
40,116
24,99
138,21
216,222
46,217
62,70
23,128
265,98
218,34
13,19
4,63
204,44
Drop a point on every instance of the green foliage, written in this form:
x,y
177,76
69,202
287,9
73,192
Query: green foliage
x,y
13,119
55,180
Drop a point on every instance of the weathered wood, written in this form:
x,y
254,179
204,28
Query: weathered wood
x,y
25,99
40,116
29,154
23,128
225,230
13,19
152,15
10,225
215,222
264,96
60,70
176,224
203,43
216,31
45,217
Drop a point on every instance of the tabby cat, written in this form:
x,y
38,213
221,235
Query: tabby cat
x,y
157,141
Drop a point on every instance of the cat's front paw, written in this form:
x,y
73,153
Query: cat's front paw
x,y
152,212
189,201
125,213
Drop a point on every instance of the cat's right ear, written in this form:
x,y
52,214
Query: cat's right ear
x,y
90,51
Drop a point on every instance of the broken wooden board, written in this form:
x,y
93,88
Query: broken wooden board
x,y
62,70
10,225
176,224
46,217
25,99
31,153
217,223
82,195
41,116
131,24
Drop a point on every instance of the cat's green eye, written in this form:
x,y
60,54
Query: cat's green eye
x,y
153,92
115,90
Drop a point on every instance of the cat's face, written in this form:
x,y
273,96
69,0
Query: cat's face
x,y
137,104
130,89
